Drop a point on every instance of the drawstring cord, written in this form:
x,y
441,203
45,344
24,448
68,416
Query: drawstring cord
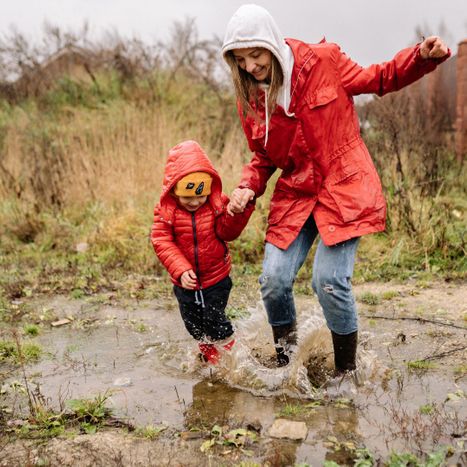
x,y
200,300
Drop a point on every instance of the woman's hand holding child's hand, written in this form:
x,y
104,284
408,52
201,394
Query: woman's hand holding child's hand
x,y
239,199
189,279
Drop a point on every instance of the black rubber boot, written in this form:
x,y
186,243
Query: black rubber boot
x,y
345,351
285,337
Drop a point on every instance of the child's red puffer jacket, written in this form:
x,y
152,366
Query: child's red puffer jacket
x,y
186,240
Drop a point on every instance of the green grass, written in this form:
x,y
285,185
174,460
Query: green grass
x,y
294,409
460,370
43,424
31,329
427,409
431,459
87,414
77,294
291,410
90,413
389,295
421,365
140,327
50,265
369,298
150,431
9,352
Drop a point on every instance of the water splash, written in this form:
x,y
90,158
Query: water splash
x,y
243,366
250,364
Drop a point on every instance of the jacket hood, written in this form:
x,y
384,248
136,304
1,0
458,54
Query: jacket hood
x,y
253,26
185,158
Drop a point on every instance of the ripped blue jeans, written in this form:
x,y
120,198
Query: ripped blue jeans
x,y
332,274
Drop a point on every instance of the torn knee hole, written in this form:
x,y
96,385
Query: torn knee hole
x,y
328,288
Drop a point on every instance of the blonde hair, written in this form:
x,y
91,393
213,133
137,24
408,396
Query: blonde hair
x,y
246,86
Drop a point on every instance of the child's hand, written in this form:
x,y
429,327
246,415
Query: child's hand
x,y
239,199
189,279
231,209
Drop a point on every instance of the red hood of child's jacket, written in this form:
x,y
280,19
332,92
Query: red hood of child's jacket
x,y
186,158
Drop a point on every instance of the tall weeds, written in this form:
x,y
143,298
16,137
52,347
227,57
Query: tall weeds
x,y
409,134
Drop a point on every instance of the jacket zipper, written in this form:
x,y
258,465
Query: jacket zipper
x,y
226,252
195,240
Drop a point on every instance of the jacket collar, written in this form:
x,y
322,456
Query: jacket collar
x,y
304,60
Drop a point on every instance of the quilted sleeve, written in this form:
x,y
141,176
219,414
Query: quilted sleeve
x,y
229,227
170,255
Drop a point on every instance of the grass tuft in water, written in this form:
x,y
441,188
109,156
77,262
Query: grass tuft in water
x,y
9,352
150,431
31,329
90,413
421,365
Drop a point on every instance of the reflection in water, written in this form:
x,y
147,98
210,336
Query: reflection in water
x,y
217,403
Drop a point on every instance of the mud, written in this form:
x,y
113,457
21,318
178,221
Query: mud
x,y
142,356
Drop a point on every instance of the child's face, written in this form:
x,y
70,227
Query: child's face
x,y
192,203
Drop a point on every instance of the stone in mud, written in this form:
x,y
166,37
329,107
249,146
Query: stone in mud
x,y
187,435
60,322
123,382
282,428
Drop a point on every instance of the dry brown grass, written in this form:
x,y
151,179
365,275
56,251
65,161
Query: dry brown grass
x,y
114,156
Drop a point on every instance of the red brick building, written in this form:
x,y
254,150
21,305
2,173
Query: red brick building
x,y
461,101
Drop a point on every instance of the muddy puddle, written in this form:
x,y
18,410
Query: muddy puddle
x,y
143,358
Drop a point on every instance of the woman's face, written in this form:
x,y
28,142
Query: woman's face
x,y
256,61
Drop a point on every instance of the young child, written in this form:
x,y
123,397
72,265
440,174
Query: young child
x,y
189,235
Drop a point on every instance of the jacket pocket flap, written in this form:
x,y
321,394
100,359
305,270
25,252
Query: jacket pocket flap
x,y
321,96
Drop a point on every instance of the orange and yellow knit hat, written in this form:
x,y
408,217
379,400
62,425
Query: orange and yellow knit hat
x,y
194,184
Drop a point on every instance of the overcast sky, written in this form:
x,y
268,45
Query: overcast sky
x,y
368,30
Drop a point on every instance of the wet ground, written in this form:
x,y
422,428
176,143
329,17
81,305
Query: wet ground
x,y
142,357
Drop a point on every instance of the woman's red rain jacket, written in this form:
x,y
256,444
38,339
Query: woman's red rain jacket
x,y
186,240
326,167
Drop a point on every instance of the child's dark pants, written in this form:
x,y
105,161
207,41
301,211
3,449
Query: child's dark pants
x,y
209,321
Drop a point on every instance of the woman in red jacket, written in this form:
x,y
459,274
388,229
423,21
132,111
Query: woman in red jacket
x,y
189,235
295,102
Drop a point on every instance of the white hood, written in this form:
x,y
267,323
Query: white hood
x,y
253,26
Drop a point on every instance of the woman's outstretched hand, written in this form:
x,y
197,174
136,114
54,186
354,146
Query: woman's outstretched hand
x,y
239,199
433,47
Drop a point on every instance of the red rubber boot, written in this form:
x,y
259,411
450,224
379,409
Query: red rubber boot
x,y
209,353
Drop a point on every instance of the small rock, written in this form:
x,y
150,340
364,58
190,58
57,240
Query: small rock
x,y
186,435
82,247
61,322
123,382
282,428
